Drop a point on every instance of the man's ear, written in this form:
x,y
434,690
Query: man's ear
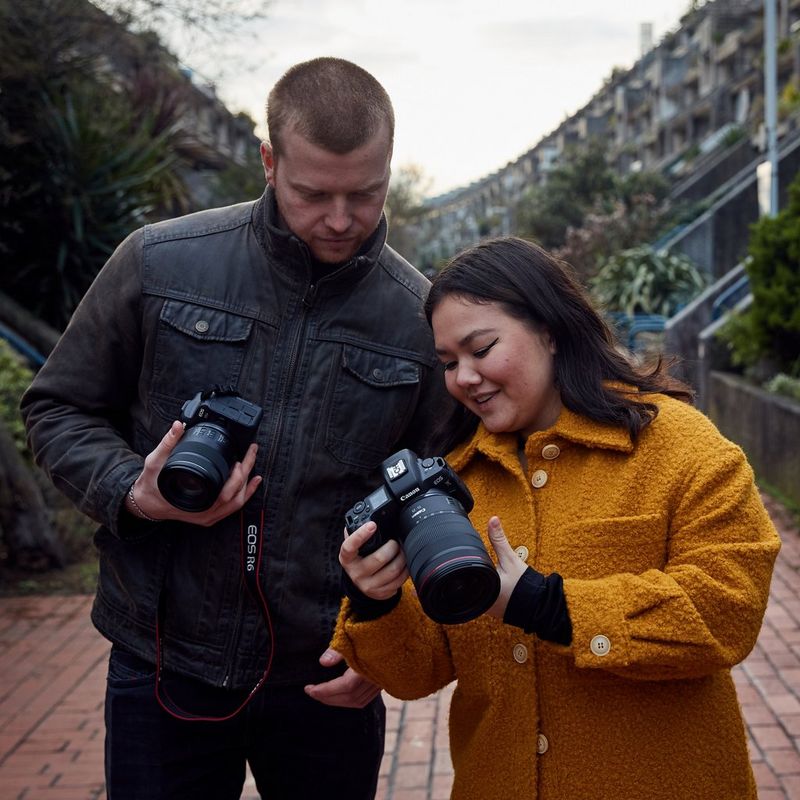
x,y
268,160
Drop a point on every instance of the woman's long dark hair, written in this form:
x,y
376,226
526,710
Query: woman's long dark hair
x,y
532,286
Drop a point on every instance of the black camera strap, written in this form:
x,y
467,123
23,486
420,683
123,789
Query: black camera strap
x,y
252,542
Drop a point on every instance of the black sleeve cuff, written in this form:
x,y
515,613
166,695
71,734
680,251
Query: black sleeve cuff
x,y
366,608
538,605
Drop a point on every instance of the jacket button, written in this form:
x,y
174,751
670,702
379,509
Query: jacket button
x,y
539,479
600,645
542,745
377,374
522,552
551,451
520,653
201,326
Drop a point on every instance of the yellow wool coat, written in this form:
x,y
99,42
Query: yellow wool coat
x,y
666,553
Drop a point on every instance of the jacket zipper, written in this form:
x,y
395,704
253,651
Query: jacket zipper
x,y
297,342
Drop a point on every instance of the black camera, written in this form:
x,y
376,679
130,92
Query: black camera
x,y
424,505
219,427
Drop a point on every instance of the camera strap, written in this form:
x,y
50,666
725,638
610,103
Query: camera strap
x,y
252,541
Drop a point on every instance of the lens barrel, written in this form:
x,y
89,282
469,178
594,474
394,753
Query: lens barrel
x,y
455,578
197,468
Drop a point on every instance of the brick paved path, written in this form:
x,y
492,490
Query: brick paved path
x,y
52,675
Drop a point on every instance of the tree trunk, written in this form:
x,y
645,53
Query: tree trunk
x,y
25,520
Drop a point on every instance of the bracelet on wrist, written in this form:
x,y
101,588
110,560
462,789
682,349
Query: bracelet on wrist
x,y
138,511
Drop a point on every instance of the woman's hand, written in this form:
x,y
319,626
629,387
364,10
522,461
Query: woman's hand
x,y
510,567
378,575
236,491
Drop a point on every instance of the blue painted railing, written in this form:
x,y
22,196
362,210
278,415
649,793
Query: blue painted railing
x,y
629,326
729,297
30,353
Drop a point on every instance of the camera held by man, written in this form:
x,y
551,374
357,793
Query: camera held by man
x,y
219,427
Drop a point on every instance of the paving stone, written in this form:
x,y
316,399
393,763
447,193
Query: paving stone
x,y
53,665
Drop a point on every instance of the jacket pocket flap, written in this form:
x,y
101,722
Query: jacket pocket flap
x,y
208,324
379,369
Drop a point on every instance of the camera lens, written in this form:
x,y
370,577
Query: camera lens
x,y
453,574
197,468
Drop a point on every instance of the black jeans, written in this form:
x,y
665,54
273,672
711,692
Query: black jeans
x,y
297,748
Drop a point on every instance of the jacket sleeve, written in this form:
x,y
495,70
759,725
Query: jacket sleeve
x,y
435,405
704,609
77,408
404,651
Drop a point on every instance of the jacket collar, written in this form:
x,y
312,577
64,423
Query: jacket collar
x,y
290,254
569,427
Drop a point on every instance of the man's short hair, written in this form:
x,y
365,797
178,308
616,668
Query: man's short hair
x,y
332,103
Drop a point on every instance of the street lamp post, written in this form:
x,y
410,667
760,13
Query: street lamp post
x,y
768,172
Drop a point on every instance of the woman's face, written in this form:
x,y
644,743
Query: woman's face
x,y
496,365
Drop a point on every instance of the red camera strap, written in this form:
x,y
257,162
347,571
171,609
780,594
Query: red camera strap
x,y
252,541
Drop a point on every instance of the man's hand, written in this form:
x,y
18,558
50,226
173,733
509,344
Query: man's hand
x,y
349,690
509,566
378,575
236,491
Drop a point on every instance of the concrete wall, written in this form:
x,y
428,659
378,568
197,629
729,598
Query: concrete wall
x,y
682,331
764,425
717,241
711,174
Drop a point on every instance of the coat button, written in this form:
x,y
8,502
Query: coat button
x,y
377,374
539,479
551,451
520,653
522,552
201,326
600,645
542,745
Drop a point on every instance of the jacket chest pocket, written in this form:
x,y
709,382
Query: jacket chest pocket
x,y
597,547
371,402
196,348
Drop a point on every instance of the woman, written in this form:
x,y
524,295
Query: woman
x,y
634,553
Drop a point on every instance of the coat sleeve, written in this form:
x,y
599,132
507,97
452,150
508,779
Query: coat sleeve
x,y
704,609
404,651
78,405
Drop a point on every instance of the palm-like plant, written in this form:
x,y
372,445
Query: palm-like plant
x,y
644,281
100,174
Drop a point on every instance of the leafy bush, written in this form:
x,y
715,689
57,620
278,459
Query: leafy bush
x,y
71,528
603,235
582,182
586,211
14,379
784,385
643,281
769,330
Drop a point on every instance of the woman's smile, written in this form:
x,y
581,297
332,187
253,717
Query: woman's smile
x,y
496,365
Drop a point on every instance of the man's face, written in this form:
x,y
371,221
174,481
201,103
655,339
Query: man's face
x,y
332,202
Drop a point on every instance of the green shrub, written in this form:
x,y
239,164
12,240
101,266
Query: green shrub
x,y
643,281
73,529
14,379
784,385
769,330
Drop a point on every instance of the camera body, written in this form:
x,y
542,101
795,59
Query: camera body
x,y
423,504
226,408
407,478
220,424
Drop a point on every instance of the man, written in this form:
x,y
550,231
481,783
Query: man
x,y
296,302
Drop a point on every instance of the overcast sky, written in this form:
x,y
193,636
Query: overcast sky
x,y
475,83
